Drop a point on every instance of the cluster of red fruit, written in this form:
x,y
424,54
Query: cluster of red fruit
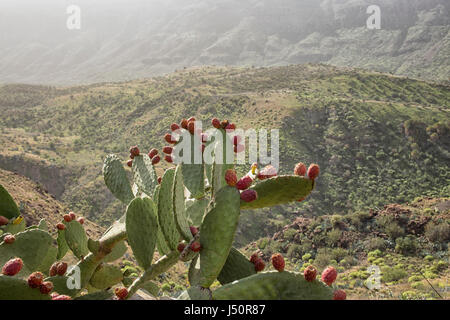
x,y
68,218
277,262
312,172
36,279
329,275
247,195
195,246
152,154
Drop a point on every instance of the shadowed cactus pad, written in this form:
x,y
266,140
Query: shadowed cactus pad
x,y
274,286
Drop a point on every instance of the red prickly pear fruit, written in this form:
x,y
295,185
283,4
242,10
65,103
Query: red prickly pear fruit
x,y
313,171
121,293
224,124
9,239
3,221
301,199
236,140
72,215
80,220
191,119
184,123
130,163
46,287
267,172
181,247
194,230
169,138
339,295
230,177
249,195
156,160
239,148
300,169
134,151
174,127
152,153
254,257
67,218
191,127
168,158
244,183
167,150
53,269
278,262
61,297
216,123
329,275
195,246
259,265
230,126
35,279
159,180
60,226
310,273
12,267
61,268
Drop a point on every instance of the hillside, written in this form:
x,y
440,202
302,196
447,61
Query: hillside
x,y
35,203
379,139
123,40
407,242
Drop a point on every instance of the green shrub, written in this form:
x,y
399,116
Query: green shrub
x,y
389,274
437,232
406,245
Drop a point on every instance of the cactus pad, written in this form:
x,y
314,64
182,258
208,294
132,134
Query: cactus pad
x,y
144,174
217,233
142,228
236,267
274,286
116,179
76,239
178,205
8,208
12,288
279,190
106,276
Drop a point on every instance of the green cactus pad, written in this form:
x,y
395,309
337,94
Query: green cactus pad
x,y
166,216
236,267
100,295
106,276
116,179
194,179
86,268
217,233
279,190
161,243
196,211
12,288
62,244
43,225
76,239
8,208
49,259
196,293
144,174
194,275
274,286
60,285
178,205
142,229
93,245
117,252
31,246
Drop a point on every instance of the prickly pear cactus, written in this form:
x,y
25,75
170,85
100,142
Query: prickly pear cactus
x,y
188,215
